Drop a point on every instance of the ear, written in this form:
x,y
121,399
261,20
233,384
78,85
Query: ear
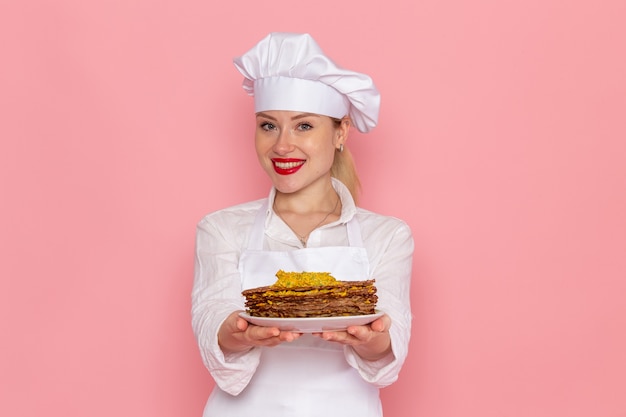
x,y
342,131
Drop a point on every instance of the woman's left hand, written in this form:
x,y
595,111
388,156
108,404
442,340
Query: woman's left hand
x,y
370,342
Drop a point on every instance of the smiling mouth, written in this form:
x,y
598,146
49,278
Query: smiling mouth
x,y
287,166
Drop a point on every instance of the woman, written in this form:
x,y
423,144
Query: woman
x,y
304,106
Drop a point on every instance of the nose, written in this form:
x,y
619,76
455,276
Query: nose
x,y
283,144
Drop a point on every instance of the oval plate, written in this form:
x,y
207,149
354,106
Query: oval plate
x,y
312,324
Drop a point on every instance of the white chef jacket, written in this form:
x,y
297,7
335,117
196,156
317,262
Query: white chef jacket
x,y
223,235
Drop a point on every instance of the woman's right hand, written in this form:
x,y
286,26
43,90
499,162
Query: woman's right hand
x,y
237,335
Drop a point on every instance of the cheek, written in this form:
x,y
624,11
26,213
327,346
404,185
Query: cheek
x,y
326,156
260,145
261,152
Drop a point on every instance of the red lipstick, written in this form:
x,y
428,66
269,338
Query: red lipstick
x,y
287,166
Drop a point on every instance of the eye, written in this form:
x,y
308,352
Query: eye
x,y
267,126
304,126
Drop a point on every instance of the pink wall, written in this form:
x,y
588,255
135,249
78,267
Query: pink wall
x,y
502,141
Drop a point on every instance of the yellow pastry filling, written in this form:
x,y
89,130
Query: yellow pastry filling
x,y
303,279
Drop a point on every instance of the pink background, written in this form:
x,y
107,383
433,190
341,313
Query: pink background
x,y
502,142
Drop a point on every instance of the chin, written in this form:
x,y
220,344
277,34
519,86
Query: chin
x,y
286,189
286,185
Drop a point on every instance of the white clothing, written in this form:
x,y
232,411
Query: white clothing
x,y
223,236
309,371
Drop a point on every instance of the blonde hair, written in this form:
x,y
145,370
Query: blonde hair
x,y
344,169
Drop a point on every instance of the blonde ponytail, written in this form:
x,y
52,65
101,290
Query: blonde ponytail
x,y
344,170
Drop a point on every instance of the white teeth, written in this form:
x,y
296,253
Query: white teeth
x,y
287,165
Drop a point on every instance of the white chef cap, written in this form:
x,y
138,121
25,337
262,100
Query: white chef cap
x,y
288,71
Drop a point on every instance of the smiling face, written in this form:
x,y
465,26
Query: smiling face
x,y
297,149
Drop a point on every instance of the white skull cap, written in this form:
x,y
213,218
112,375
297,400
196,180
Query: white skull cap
x,y
289,71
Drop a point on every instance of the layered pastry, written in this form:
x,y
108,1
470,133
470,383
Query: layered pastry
x,y
311,294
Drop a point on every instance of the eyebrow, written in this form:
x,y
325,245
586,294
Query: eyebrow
x,y
297,116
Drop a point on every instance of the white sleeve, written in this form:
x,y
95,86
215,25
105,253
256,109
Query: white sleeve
x,y
392,272
216,294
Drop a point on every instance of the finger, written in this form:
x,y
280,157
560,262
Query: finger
x,y
378,325
359,332
288,336
262,333
382,324
337,336
241,324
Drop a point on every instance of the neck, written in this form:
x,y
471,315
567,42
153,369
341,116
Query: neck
x,y
305,213
305,202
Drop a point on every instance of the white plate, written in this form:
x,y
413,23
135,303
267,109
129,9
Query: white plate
x,y
312,324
